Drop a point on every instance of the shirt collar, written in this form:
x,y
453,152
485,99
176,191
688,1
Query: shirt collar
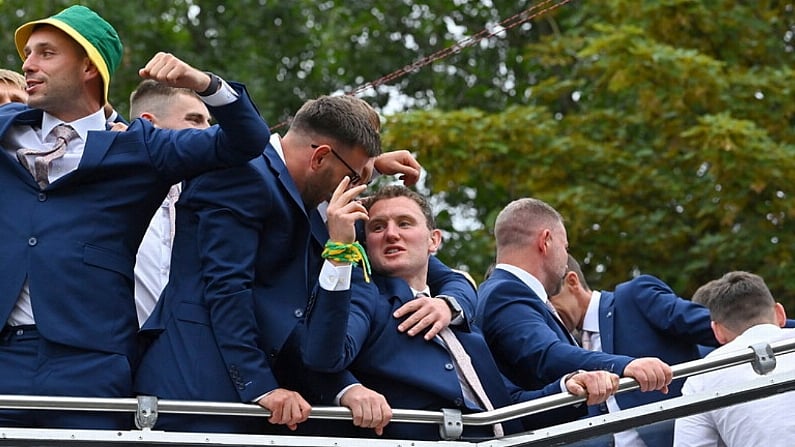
x,y
426,290
591,320
95,121
276,142
529,280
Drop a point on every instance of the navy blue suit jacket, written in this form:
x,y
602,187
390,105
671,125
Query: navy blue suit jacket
x,y
75,241
355,329
238,287
643,317
531,346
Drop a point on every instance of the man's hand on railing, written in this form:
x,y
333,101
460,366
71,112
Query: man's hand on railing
x,y
369,409
286,407
651,374
597,386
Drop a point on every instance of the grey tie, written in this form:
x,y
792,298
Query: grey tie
x,y
586,340
173,196
42,158
464,363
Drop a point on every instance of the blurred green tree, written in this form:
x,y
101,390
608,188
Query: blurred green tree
x,y
662,130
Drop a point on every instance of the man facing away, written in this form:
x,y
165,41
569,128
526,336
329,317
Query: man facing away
x,y
354,324
642,317
76,203
166,108
744,313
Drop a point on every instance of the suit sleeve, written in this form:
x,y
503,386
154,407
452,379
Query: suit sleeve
x,y
529,351
240,135
445,281
230,209
668,312
339,325
549,417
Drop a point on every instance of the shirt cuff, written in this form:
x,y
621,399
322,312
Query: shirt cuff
x,y
260,397
225,95
342,393
335,277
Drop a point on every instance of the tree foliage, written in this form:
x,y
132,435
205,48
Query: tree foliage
x,y
662,130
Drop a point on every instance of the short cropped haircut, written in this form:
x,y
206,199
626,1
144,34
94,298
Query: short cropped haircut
x,y
741,300
13,78
520,219
346,119
394,191
153,97
703,295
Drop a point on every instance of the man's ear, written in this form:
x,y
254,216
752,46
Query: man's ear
x,y
571,280
722,334
149,117
781,315
436,240
319,156
90,69
543,240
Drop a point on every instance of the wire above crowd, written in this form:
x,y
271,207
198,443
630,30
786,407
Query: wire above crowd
x,y
172,257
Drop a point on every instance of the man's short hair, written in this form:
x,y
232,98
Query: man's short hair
x,y
741,300
13,78
348,120
393,191
703,295
517,222
153,97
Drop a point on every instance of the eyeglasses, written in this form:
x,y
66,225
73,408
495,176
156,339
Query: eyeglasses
x,y
355,177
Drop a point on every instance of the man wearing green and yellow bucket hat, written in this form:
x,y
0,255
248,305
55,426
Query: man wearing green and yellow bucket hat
x,y
76,202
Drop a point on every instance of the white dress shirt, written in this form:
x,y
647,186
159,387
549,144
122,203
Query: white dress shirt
x,y
764,422
590,323
153,260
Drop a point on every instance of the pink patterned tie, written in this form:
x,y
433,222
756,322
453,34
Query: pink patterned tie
x,y
42,158
464,363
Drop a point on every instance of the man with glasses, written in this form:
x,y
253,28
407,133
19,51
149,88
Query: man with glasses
x,y
225,328
229,323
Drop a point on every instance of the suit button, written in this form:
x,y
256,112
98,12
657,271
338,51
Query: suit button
x,y
33,241
459,402
449,366
298,313
42,197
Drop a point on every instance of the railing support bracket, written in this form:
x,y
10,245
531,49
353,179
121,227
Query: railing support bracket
x,y
146,415
764,358
452,427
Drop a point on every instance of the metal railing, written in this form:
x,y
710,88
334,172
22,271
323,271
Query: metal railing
x,y
451,422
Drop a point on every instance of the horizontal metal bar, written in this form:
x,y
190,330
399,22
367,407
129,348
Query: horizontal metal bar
x,y
681,370
341,413
665,410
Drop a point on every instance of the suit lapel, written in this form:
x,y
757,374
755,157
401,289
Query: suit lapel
x,y
30,117
97,145
607,304
277,165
